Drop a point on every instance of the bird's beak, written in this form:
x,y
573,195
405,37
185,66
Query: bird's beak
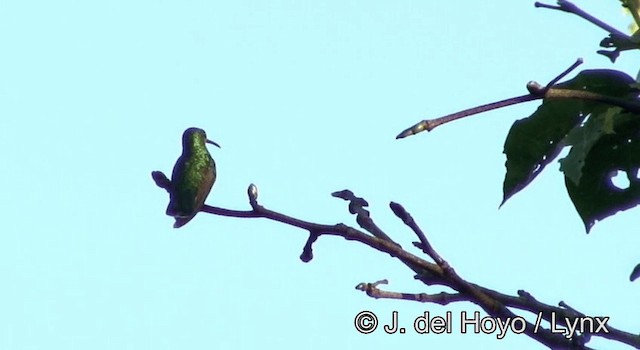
x,y
213,143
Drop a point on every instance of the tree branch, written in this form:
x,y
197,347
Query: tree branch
x,y
616,39
442,298
536,92
441,273
569,7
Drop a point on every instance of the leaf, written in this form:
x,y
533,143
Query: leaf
x,y
535,141
596,197
582,138
633,6
609,118
635,273
603,81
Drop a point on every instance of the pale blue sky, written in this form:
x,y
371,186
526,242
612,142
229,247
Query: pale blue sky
x,y
305,99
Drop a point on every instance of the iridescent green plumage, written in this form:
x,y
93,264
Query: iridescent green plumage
x,y
192,177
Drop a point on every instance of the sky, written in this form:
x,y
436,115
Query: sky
x,y
305,99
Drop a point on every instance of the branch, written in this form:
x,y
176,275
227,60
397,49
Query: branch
x,y
563,314
616,39
441,273
442,298
536,92
430,124
569,7
357,206
460,284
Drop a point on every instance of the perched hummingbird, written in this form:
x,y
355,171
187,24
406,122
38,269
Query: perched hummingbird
x,y
192,177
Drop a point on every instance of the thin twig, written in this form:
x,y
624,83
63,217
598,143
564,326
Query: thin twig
x,y
555,80
408,220
616,39
430,124
357,206
536,92
569,7
442,298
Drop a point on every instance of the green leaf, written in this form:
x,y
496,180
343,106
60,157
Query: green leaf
x,y
633,6
596,197
582,138
535,141
609,117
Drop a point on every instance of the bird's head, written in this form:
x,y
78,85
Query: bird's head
x,y
194,137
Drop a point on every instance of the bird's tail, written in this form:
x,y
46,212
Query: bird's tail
x,y
181,221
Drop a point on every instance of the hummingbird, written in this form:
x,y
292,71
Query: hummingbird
x,y
193,176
